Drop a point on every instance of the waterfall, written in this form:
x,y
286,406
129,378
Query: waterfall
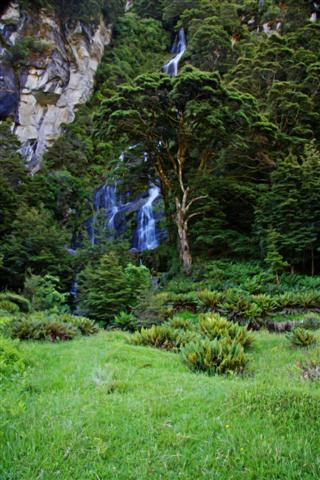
x,y
105,198
146,237
178,48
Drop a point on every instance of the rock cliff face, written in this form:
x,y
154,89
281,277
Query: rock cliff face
x,y
46,70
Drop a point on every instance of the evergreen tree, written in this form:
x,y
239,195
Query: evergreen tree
x,y
274,259
103,289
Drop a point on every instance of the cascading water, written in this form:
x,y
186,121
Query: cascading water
x,y
146,235
178,48
105,198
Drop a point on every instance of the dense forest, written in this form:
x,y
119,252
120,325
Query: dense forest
x,y
233,141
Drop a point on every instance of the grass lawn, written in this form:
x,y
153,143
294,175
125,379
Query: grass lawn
x,y
98,408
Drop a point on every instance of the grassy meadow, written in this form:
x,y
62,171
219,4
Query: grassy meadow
x,y
99,408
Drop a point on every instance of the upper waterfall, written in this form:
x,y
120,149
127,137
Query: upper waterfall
x,y
178,48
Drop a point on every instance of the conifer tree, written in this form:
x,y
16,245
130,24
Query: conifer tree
x,y
103,289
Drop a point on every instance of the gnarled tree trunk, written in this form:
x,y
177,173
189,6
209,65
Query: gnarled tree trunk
x,y
183,243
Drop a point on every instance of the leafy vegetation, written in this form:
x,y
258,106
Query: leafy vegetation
x,y
300,337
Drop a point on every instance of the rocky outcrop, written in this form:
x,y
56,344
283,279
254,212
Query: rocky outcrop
x,y
47,70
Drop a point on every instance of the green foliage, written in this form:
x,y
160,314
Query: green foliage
x,y
22,303
163,336
138,281
85,10
8,307
85,326
104,289
213,326
29,329
152,310
299,337
125,321
24,48
13,361
215,357
34,243
44,293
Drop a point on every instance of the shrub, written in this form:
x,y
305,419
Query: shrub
x,y
59,331
183,301
213,326
103,289
12,360
209,300
300,299
181,324
44,293
152,310
85,325
26,329
9,307
265,303
125,321
163,336
22,302
138,280
299,337
215,356
159,336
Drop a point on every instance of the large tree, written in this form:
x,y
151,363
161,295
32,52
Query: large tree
x,y
184,124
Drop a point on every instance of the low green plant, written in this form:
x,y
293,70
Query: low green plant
x,y
28,329
152,310
125,321
159,336
179,323
213,326
163,336
22,302
86,326
299,337
8,307
209,300
215,356
12,360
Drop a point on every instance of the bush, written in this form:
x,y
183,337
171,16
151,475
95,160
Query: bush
x,y
86,326
44,293
22,302
215,356
163,336
152,310
299,337
183,301
8,307
12,360
104,289
125,321
213,326
181,324
209,300
26,329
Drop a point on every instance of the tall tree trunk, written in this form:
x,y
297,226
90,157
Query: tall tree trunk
x,y
183,242
312,262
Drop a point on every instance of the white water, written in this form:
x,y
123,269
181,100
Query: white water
x,y
179,47
146,224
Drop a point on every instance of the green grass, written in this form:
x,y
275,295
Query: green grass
x,y
98,408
